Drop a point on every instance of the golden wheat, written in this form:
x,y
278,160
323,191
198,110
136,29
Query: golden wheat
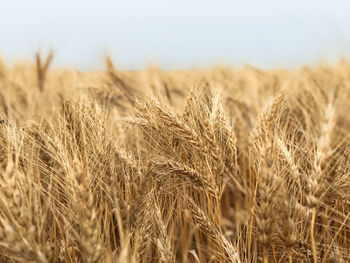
x,y
217,165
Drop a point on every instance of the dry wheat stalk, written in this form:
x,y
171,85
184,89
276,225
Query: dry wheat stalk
x,y
42,68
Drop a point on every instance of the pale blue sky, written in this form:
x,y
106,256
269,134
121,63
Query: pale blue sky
x,y
177,34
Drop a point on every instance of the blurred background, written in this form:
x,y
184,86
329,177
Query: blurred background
x,y
177,34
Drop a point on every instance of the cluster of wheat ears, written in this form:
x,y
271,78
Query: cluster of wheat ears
x,y
216,165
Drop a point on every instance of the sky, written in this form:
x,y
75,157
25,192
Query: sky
x,y
176,34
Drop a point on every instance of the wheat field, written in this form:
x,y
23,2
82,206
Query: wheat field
x,y
202,165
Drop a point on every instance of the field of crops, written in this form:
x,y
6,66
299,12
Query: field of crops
x,y
203,165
